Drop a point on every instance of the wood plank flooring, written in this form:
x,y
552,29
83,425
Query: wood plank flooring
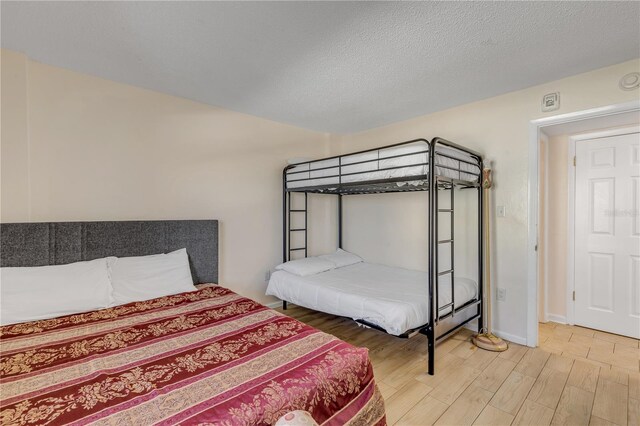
x,y
577,376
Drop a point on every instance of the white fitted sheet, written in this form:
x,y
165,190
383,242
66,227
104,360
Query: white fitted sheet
x,y
395,299
412,154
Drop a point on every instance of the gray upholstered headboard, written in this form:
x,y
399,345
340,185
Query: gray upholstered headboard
x,y
55,243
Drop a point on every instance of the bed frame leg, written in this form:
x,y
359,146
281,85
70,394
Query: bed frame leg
x,y
284,305
432,350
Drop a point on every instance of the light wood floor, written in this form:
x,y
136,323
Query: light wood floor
x,y
577,376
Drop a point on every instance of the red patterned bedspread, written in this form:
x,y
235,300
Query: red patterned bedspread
x,y
205,357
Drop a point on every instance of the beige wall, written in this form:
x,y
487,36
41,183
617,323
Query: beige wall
x,y
556,223
76,147
497,127
14,163
543,149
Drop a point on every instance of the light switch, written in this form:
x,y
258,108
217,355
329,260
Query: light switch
x,y
502,294
501,211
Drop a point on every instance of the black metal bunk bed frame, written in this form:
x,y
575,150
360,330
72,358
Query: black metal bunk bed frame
x,y
439,326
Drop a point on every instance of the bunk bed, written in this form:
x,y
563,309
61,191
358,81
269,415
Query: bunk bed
x,y
412,166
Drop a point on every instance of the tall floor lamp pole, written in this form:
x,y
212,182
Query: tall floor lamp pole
x,y
488,340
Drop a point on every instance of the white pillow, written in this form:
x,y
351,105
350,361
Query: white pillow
x,y
42,292
147,277
306,266
342,258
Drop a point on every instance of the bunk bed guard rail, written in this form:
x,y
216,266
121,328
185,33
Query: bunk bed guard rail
x,y
394,168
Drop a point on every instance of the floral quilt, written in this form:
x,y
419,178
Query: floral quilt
x,y
204,357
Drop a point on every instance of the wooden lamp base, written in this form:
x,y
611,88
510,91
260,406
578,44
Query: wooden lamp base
x,y
490,342
487,341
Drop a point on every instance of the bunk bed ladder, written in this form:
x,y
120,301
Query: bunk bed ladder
x,y
302,229
449,241
286,218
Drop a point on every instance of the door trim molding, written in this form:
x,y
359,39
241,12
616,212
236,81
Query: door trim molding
x,y
571,207
571,243
535,127
545,238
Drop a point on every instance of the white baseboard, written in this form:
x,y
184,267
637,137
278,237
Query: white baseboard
x,y
507,336
557,318
274,305
471,326
511,337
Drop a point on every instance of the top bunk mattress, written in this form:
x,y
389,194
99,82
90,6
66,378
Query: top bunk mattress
x,y
395,299
404,161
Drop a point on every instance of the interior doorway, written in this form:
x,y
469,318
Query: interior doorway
x,y
552,212
606,237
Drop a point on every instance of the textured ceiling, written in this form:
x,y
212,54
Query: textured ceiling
x,y
328,66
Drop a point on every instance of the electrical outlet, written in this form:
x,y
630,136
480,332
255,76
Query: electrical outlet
x,y
501,211
267,276
502,294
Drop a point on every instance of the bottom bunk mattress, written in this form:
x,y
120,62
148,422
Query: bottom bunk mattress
x,y
395,299
204,357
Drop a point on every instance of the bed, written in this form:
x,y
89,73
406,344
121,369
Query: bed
x,y
207,356
441,168
395,299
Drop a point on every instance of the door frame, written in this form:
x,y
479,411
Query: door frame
x,y
544,139
535,129
571,203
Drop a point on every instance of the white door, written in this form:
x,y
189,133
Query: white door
x,y
607,234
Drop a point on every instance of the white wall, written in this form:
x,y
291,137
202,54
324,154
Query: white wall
x,y
76,147
497,127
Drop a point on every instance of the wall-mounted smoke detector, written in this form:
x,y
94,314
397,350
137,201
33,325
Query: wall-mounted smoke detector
x,y
630,81
551,102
